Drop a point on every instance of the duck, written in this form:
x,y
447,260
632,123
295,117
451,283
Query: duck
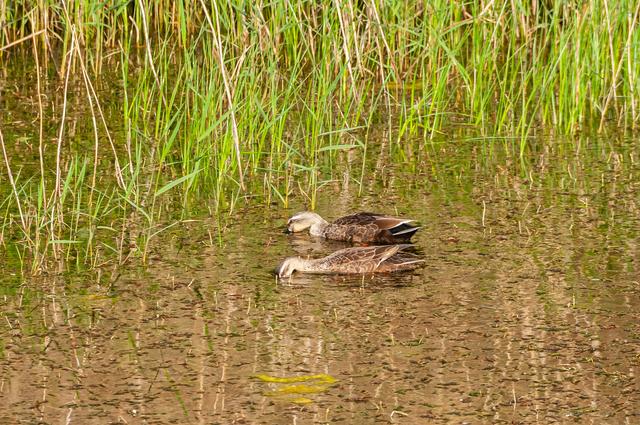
x,y
355,260
363,227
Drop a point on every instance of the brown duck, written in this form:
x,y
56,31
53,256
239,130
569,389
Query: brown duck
x,y
358,260
363,227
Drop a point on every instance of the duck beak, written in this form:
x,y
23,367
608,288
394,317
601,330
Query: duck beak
x,y
278,270
287,231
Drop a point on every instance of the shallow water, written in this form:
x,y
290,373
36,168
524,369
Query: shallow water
x,y
528,310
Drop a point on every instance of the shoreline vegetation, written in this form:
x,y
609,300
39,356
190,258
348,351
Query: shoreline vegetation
x,y
128,107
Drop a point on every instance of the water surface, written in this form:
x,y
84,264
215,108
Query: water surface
x,y
528,310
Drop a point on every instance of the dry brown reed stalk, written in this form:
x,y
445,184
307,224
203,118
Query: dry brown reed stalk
x,y
95,125
616,68
632,83
56,207
354,32
147,42
392,62
345,47
38,262
228,92
91,93
40,123
25,38
12,182
91,96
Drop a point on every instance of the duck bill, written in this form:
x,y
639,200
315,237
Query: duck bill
x,y
278,270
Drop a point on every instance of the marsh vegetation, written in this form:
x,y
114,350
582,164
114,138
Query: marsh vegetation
x,y
153,151
115,114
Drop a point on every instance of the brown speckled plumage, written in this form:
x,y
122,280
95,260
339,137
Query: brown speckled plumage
x,y
362,227
358,260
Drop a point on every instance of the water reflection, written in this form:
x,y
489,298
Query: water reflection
x,y
527,310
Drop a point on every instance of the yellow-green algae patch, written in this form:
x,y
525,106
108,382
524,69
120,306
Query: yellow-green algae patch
x,y
309,384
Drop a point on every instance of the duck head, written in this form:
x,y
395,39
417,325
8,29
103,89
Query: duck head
x,y
302,221
288,266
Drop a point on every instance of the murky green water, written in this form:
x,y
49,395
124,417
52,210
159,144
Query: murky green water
x,y
528,310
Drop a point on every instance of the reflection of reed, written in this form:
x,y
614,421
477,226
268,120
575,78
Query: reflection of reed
x,y
199,341
531,317
218,407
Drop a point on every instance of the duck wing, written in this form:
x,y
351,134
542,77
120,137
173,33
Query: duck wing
x,y
356,260
395,225
368,259
381,221
389,258
359,219
402,260
354,255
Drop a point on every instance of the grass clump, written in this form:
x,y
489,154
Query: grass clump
x,y
257,98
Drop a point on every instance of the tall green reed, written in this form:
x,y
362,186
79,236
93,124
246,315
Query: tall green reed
x,y
225,100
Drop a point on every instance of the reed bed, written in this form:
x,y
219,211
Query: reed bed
x,y
179,100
